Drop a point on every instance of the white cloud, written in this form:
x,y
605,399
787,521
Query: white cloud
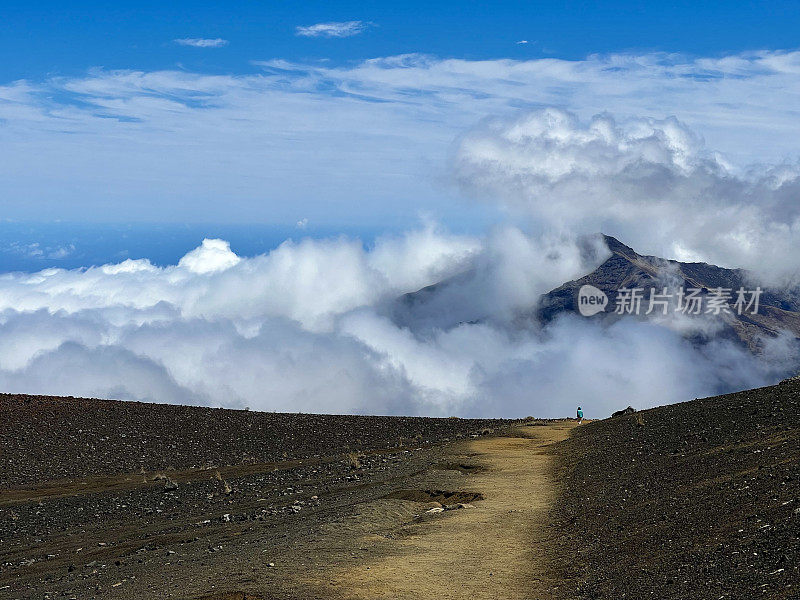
x,y
314,326
219,329
522,42
370,138
202,42
650,182
335,29
212,256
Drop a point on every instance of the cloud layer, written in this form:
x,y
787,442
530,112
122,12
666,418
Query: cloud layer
x,y
364,142
321,326
649,182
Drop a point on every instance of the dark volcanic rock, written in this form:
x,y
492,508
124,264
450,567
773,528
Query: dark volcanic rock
x,y
45,438
99,499
625,411
699,500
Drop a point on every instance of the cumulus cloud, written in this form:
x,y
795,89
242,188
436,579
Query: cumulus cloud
x,y
334,29
219,329
650,182
318,325
202,42
212,256
377,130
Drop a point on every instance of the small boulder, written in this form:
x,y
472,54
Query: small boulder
x,y
458,506
625,411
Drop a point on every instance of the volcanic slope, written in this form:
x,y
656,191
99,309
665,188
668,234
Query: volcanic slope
x,y
694,500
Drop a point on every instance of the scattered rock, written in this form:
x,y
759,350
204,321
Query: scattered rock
x,y
458,506
625,411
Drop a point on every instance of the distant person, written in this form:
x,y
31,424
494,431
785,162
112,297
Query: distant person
x,y
580,415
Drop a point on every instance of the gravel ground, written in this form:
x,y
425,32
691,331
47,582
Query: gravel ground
x,y
694,500
100,499
119,500
48,438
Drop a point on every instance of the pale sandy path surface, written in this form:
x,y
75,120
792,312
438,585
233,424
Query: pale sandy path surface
x,y
496,550
355,534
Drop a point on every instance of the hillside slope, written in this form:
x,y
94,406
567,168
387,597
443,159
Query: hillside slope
x,y
103,500
45,438
450,302
694,500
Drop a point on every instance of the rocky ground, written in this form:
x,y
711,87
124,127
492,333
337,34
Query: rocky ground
x,y
102,499
699,500
695,500
46,438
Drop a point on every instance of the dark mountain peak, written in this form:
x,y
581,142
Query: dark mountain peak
x,y
779,310
448,303
618,247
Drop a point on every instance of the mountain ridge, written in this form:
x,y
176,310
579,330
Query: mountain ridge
x,y
778,310
441,304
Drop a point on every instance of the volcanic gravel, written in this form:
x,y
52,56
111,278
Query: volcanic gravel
x,y
46,438
103,499
694,500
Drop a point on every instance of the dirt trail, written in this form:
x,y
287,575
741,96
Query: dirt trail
x,y
495,550
310,529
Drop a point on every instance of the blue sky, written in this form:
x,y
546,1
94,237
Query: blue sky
x,y
220,113
49,38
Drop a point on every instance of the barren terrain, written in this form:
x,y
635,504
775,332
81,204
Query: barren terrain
x,y
103,499
699,500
